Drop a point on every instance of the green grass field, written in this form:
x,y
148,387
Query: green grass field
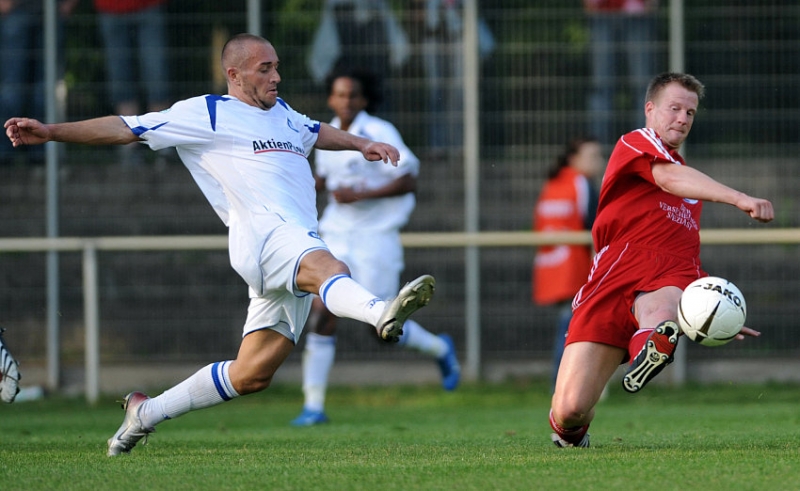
x,y
481,437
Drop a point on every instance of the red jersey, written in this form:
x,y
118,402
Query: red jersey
x,y
634,210
560,270
124,6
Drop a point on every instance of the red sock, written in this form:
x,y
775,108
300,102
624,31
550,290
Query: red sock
x,y
636,343
572,435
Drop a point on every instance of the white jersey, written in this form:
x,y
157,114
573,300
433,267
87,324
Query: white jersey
x,y
350,169
251,164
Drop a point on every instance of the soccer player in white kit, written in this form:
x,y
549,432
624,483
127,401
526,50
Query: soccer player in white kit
x,y
367,207
248,153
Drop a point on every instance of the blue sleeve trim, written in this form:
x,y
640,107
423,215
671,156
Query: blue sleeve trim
x,y
140,130
211,104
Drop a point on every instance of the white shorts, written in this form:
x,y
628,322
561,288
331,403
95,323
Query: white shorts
x,y
280,305
375,259
281,311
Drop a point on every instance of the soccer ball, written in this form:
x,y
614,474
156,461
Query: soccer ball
x,y
711,311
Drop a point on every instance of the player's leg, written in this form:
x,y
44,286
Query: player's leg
x,y
9,373
377,263
260,355
323,274
262,351
320,346
585,368
440,347
318,357
653,345
564,317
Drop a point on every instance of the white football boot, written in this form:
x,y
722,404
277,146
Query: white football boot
x,y
132,429
412,297
561,443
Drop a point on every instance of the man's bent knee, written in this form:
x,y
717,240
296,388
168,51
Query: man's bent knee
x,y
251,385
316,267
571,413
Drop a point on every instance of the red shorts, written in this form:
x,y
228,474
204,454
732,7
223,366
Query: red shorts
x,y
603,308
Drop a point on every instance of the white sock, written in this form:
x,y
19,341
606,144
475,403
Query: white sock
x,y
318,357
345,298
209,386
417,338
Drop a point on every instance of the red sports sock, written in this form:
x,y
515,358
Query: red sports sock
x,y
572,435
636,343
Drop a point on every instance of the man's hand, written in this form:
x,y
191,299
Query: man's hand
x,y
26,131
374,151
746,331
345,195
758,209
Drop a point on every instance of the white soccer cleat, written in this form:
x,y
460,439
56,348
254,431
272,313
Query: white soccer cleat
x,y
132,429
412,297
9,373
561,443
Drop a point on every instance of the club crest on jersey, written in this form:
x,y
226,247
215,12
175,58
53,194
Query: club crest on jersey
x,y
291,126
314,235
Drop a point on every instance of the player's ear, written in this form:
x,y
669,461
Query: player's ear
x,y
233,74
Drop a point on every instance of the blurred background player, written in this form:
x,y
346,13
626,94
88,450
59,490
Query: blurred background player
x,y
9,373
568,202
367,206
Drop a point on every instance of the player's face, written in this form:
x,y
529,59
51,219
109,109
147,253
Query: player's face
x,y
258,77
346,100
672,113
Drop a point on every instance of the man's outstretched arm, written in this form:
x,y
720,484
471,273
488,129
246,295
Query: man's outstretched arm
x,y
108,130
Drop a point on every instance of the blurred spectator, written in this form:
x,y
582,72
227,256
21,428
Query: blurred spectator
x,y
568,202
360,35
135,39
617,27
22,62
440,30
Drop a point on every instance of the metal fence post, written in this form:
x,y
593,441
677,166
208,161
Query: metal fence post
x,y
91,313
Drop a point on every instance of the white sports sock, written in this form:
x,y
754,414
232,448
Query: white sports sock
x,y
417,338
318,357
209,386
345,298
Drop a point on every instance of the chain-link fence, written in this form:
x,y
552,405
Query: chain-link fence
x,y
539,87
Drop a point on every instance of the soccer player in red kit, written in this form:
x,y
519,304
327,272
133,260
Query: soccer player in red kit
x,y
647,240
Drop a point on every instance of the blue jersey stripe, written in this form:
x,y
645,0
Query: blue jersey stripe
x,y
211,104
140,130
